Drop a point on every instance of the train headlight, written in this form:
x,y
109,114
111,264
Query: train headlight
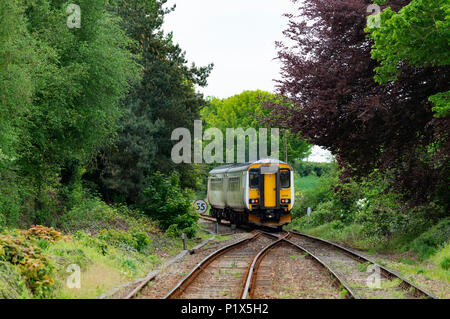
x,y
285,201
254,201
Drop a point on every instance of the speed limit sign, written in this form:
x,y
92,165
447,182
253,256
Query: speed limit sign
x,y
200,206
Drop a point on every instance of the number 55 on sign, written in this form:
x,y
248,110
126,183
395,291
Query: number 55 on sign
x,y
200,206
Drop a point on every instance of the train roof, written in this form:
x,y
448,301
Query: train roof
x,y
243,166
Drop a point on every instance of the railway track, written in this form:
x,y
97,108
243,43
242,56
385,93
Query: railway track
x,y
259,279
308,267
354,267
237,270
350,269
220,274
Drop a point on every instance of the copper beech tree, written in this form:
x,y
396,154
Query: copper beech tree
x,y
328,75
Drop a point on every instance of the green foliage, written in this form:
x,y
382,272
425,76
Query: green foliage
x,y
245,111
430,241
134,239
303,184
93,67
34,266
171,205
445,264
12,285
304,169
92,241
60,97
40,232
442,104
167,88
382,217
362,267
93,215
418,35
306,197
337,225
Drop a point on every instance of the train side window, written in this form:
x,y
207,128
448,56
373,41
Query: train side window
x,y
233,184
216,184
254,178
285,178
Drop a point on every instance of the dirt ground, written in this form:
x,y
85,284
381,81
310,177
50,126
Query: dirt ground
x,y
285,273
168,277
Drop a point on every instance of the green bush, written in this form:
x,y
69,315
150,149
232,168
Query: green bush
x,y
312,168
171,205
12,285
313,197
10,209
445,264
93,215
34,266
91,241
337,225
134,239
427,243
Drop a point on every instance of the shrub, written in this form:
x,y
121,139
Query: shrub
x,y
428,242
168,203
91,241
33,265
41,232
91,214
10,198
313,197
142,240
337,225
445,264
135,239
12,285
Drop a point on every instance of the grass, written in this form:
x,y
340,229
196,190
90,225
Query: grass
x,y
362,267
220,238
99,272
306,183
349,235
103,262
429,271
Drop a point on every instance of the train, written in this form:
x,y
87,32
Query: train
x,y
260,193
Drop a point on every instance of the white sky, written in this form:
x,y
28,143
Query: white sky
x,y
238,36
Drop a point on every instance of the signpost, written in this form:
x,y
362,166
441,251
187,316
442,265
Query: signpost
x,y
309,213
200,206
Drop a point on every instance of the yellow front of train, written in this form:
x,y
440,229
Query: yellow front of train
x,y
270,194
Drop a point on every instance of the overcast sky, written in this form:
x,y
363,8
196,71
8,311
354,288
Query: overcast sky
x,y
238,36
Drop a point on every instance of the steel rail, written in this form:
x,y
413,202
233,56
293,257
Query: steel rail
x,y
386,272
186,281
251,277
136,290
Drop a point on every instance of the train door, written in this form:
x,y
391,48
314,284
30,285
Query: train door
x,y
270,190
270,185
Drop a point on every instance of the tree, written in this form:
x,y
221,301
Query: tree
x,y
417,35
18,54
327,75
245,111
61,89
164,99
